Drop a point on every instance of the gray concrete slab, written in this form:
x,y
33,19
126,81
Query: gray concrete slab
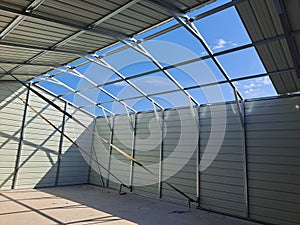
x,y
87,204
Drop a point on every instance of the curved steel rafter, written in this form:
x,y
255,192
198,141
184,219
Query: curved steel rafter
x,y
100,61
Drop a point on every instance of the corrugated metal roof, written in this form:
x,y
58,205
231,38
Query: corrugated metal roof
x,y
64,25
38,35
262,21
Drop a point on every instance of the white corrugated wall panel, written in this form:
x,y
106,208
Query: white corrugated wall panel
x,y
39,154
221,149
74,166
274,160
11,115
147,150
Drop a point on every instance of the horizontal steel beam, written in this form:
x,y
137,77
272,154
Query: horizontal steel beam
x,y
30,64
40,48
19,74
210,84
32,6
8,7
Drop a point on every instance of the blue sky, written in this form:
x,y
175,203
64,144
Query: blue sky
x,y
221,31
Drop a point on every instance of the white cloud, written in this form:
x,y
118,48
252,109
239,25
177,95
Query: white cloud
x,y
257,87
264,80
221,43
248,86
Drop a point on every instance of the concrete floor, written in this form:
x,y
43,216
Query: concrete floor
x,y
86,204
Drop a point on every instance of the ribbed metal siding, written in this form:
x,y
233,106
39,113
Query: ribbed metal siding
x,y
222,183
122,138
179,126
11,114
147,151
101,152
40,148
272,133
74,165
274,160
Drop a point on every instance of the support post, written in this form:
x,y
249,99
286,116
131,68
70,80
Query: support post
x,y
93,153
198,159
60,145
92,146
241,111
20,146
132,149
161,155
245,156
110,148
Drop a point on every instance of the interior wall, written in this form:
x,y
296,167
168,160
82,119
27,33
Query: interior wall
x,y
273,145
249,163
32,153
222,182
245,166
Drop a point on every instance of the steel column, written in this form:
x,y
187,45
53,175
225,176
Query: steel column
x,y
110,148
161,156
132,151
245,157
198,159
94,154
241,112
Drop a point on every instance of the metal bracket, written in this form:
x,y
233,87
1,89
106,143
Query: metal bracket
x,y
120,189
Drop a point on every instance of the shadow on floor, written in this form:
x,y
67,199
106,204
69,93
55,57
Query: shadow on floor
x,y
87,204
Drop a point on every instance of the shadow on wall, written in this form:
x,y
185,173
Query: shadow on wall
x,y
41,163
41,167
72,166
11,114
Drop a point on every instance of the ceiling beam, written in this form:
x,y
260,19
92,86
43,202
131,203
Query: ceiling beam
x,y
29,9
30,64
9,7
139,48
90,28
19,74
39,48
280,72
187,23
97,22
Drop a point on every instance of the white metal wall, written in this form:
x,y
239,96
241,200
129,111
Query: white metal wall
x,y
101,152
38,152
256,179
147,150
273,145
222,183
179,169
11,115
74,164
267,191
